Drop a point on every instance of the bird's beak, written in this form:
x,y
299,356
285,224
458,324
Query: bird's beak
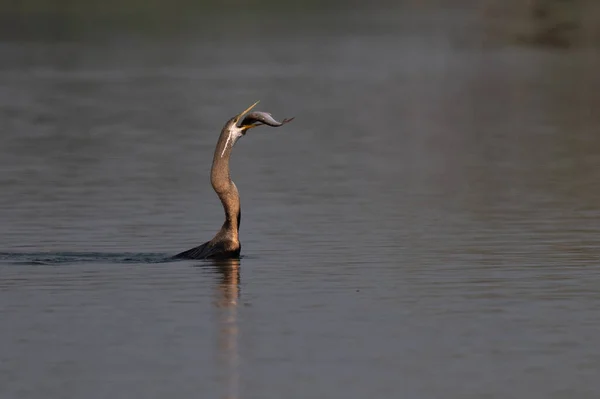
x,y
237,118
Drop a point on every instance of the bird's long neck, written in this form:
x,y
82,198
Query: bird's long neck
x,y
222,183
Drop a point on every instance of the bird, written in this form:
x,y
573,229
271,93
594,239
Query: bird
x,y
226,243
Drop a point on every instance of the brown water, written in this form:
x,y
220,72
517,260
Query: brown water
x,y
427,227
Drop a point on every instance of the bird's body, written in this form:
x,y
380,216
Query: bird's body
x,y
226,243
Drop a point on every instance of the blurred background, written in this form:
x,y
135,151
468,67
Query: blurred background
x,y
426,227
559,23
106,103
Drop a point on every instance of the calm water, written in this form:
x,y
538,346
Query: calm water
x,y
427,227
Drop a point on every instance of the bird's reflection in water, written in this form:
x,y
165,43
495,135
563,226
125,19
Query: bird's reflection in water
x,y
226,302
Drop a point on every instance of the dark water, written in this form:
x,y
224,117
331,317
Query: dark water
x,y
427,227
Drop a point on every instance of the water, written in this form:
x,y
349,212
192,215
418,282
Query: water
x,y
427,226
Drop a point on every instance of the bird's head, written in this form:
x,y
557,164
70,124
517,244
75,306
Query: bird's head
x,y
252,120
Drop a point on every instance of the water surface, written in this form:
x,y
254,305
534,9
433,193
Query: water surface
x,y
427,226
